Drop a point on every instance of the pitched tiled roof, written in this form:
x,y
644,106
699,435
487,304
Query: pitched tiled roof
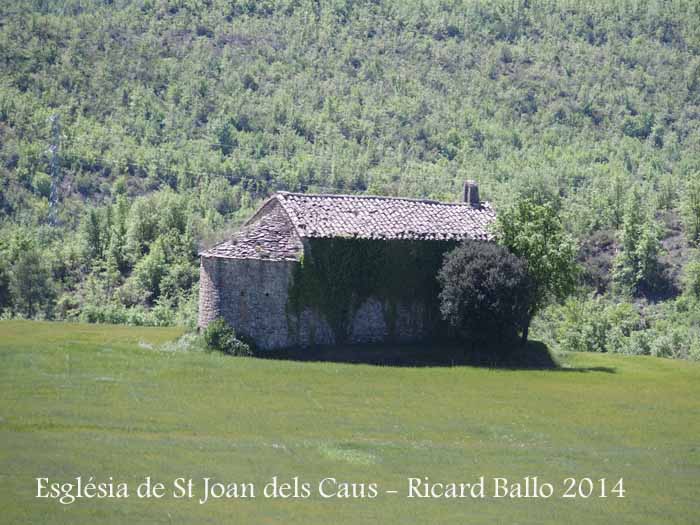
x,y
275,231
270,237
370,217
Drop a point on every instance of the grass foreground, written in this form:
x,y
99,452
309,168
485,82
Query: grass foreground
x,y
101,401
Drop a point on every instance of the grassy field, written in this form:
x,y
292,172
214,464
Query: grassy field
x,y
110,401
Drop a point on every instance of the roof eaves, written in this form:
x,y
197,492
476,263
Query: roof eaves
x,y
248,258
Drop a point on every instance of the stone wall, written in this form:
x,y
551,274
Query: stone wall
x,y
209,290
252,296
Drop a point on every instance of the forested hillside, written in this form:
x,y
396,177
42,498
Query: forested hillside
x,y
133,133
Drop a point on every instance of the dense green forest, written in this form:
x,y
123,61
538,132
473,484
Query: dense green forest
x,y
133,133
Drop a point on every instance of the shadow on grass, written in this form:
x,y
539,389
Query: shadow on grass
x,y
534,356
606,369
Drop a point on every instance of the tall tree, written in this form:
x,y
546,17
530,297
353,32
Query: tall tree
x,y
93,235
534,231
637,266
30,282
690,208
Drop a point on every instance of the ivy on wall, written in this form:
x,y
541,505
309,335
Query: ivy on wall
x,y
336,276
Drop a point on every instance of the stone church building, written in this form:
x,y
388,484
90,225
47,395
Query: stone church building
x,y
247,278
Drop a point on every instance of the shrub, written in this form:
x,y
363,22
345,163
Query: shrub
x,y
670,329
674,343
42,184
694,351
220,336
594,325
4,285
638,343
691,277
486,290
189,342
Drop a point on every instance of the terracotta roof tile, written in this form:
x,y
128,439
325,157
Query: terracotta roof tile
x,y
370,217
276,230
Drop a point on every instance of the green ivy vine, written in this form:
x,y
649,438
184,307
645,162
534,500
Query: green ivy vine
x,y
336,276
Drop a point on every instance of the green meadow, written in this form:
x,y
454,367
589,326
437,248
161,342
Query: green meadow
x,y
101,401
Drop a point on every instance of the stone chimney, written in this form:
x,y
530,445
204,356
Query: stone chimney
x,y
471,193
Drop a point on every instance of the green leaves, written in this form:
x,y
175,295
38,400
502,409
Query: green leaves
x,y
338,275
486,291
534,232
637,266
690,208
226,102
